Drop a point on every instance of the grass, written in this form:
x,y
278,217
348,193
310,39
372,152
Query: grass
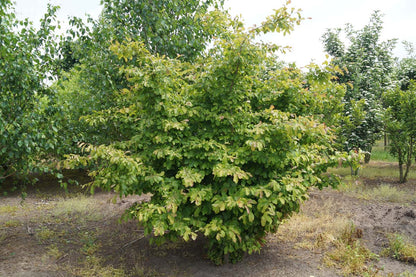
x,y
401,248
383,192
79,204
45,235
375,169
388,193
379,153
350,255
93,266
315,230
12,223
382,165
8,209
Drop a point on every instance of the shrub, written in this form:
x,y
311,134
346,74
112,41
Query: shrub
x,y
209,145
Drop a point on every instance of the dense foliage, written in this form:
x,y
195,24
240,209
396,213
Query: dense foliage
x,y
27,131
171,28
224,144
401,126
92,81
368,67
400,117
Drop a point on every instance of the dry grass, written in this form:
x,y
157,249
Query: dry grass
x,y
318,229
315,227
383,192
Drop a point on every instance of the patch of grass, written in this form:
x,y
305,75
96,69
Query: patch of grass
x,y
9,210
79,204
44,235
403,274
374,169
400,248
93,266
86,209
3,236
54,252
388,193
12,223
350,255
384,192
379,153
386,170
315,230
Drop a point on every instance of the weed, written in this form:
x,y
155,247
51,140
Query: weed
x,y
140,271
350,255
400,248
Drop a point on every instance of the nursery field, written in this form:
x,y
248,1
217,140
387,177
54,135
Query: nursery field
x,y
367,227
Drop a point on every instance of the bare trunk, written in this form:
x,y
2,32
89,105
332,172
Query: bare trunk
x,y
401,172
400,156
408,162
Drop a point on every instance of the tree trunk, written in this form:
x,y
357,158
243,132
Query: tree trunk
x,y
400,157
408,162
401,173
367,157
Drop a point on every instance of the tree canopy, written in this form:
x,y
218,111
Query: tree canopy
x,y
368,65
26,61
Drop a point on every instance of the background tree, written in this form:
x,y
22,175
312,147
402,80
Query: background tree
x,y
400,117
212,142
166,27
368,67
26,62
401,126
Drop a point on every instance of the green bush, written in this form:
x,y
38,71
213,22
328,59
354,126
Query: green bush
x,y
218,157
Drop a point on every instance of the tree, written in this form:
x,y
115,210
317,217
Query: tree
x,y
26,60
166,27
400,120
401,126
212,143
368,69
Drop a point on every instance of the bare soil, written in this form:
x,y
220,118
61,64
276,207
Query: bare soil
x,y
40,236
